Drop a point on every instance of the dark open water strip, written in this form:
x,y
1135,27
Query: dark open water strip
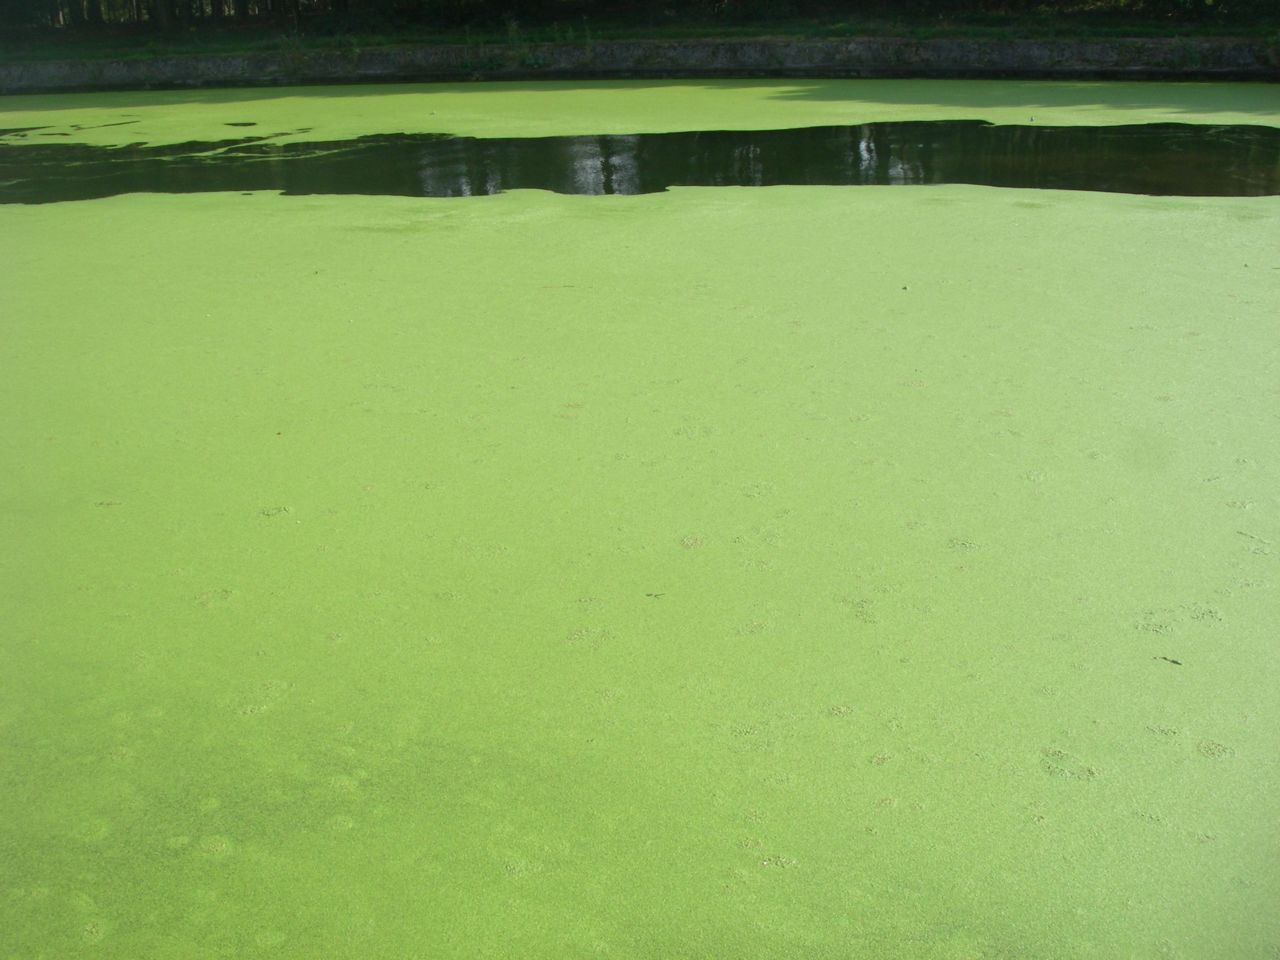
x,y
1160,159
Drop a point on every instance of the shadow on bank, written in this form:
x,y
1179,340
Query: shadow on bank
x,y
870,57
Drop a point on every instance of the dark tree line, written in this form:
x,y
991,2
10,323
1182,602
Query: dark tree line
x,y
338,15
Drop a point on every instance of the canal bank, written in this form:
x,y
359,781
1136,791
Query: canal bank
x,y
1200,58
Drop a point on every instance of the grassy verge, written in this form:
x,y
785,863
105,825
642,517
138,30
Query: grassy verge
x,y
135,42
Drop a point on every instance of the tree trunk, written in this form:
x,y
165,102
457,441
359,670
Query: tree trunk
x,y
242,9
162,14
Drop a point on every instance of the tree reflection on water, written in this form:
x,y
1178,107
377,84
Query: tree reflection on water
x,y
1165,159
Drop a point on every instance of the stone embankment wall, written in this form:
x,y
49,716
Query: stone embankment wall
x,y
1151,58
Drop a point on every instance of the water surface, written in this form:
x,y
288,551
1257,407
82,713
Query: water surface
x,y
760,574
1165,159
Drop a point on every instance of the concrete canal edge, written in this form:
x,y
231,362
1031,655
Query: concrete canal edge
x,y
1166,58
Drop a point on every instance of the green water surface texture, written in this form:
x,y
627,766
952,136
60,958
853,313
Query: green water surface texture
x,y
794,572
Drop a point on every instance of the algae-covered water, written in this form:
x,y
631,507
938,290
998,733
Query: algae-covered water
x,y
823,572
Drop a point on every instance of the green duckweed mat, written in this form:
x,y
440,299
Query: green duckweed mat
x,y
724,573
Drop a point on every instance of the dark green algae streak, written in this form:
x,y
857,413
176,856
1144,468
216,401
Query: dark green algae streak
x,y
719,573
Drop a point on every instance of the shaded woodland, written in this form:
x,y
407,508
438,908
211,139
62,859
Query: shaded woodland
x,y
338,16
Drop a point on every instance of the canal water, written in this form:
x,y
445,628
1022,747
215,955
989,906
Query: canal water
x,y
882,563
1158,158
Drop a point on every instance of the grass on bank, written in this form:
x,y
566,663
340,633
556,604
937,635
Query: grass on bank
x,y
130,42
